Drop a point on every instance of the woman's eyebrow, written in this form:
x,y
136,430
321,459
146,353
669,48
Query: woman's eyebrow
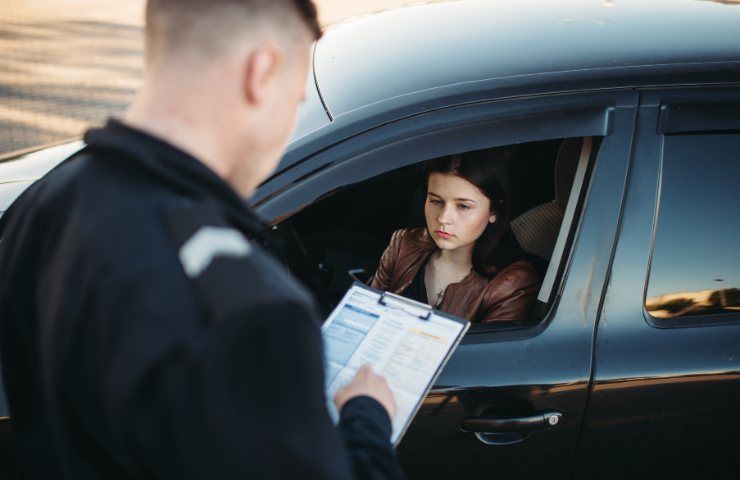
x,y
459,199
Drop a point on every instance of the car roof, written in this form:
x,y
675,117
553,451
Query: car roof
x,y
380,67
396,53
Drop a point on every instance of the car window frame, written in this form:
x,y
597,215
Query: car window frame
x,y
525,109
557,116
689,114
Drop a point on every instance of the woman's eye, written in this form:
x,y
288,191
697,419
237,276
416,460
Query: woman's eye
x,y
463,207
436,202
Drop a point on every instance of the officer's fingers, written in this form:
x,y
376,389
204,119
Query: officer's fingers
x,y
377,380
365,372
384,394
357,386
380,380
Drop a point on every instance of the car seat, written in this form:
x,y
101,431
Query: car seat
x,y
536,231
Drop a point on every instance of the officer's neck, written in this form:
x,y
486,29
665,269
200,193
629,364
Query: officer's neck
x,y
187,117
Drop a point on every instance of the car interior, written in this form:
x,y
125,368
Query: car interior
x,y
340,239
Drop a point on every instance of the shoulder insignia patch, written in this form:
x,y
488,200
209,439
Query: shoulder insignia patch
x,y
208,243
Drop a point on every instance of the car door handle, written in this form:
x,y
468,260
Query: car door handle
x,y
504,424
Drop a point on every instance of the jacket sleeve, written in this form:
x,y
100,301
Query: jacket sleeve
x,y
246,400
510,295
366,428
384,274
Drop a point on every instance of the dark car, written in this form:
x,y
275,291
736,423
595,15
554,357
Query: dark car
x,y
623,123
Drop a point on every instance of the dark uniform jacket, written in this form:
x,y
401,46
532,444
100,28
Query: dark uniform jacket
x,y
145,334
509,295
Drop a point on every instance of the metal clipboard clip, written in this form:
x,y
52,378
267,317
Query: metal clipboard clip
x,y
412,307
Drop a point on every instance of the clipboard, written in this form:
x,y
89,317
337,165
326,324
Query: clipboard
x,y
406,341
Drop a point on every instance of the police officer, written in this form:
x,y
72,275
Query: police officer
x,y
144,334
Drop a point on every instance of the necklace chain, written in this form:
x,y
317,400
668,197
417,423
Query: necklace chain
x,y
440,294
438,288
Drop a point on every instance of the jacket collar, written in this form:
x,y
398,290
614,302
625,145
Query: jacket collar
x,y
419,247
174,168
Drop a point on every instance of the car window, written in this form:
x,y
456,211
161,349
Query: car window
x,y
341,238
695,266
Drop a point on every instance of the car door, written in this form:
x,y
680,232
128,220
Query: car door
x,y
519,393
667,359
10,466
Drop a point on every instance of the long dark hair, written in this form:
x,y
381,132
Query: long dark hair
x,y
486,170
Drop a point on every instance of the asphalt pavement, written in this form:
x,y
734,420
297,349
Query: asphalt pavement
x,y
66,65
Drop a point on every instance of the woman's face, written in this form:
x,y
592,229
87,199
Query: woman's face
x,y
456,211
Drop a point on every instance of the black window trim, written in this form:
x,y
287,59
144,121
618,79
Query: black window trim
x,y
559,106
692,116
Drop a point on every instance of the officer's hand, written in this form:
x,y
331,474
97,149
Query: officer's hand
x,y
367,383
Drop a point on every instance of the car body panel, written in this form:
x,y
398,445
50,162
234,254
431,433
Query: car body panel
x,y
312,114
557,375
665,393
546,372
403,51
412,60
18,172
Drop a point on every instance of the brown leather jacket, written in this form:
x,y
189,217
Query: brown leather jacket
x,y
510,295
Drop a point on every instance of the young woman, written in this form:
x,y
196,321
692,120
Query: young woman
x,y
457,263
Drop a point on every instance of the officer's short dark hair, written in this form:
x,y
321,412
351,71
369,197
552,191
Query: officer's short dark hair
x,y
205,26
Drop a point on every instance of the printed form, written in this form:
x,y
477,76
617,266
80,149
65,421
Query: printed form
x,y
406,349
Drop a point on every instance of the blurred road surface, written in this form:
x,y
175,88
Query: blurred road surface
x,y
68,64
65,65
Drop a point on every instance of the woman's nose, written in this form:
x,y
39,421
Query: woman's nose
x,y
445,216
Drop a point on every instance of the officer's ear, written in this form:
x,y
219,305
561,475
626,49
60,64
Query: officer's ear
x,y
261,70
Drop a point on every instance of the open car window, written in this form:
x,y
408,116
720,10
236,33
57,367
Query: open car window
x,y
333,210
340,238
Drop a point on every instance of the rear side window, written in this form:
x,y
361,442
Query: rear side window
x,y
695,267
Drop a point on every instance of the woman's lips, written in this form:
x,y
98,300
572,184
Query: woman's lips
x,y
442,234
